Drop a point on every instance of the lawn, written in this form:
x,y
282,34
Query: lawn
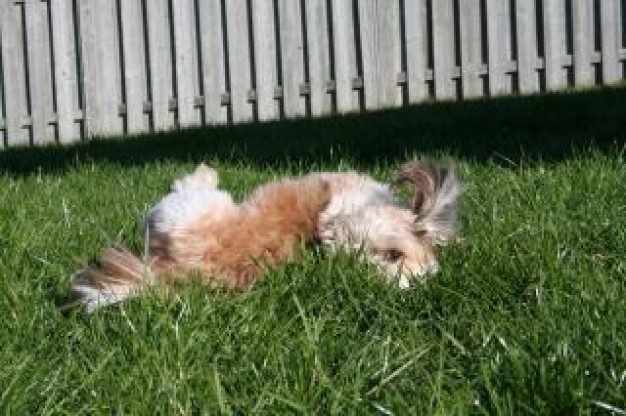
x,y
527,315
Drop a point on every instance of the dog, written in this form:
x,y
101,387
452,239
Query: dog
x,y
198,228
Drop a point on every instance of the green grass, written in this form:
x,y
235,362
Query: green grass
x,y
526,317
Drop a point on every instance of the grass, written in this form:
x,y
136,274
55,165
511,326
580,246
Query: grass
x,y
526,317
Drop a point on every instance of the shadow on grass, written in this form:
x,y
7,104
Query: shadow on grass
x,y
547,127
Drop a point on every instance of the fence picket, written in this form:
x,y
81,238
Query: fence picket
x,y
582,26
265,59
238,59
212,61
135,71
3,135
66,76
161,71
471,50
89,65
380,48
39,72
292,57
13,61
527,51
443,48
186,63
344,56
101,66
416,49
554,43
108,70
318,56
499,39
610,42
110,87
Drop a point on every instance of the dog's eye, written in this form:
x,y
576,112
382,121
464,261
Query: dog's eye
x,y
392,255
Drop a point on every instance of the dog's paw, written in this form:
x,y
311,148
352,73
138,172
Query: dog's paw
x,y
204,177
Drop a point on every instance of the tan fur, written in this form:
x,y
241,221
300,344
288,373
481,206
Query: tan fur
x,y
264,231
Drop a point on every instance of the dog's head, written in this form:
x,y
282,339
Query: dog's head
x,y
399,238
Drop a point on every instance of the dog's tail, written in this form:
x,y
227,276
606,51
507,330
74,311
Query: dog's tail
x,y
119,275
436,199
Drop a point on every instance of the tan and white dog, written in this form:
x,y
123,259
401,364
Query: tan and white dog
x,y
199,228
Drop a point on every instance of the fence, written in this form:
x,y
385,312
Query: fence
x,y
71,69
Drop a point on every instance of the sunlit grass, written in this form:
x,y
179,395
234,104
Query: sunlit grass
x,y
526,316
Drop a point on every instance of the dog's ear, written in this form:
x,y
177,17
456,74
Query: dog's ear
x,y
424,178
435,200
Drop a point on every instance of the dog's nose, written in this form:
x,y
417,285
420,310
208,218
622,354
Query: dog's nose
x,y
420,272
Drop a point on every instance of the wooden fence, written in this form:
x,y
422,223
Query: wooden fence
x,y
72,69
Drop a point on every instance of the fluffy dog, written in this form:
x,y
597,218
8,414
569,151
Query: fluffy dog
x,y
199,228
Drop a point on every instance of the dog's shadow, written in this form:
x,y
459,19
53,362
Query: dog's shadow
x,y
505,130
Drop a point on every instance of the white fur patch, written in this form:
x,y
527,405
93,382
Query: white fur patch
x,y
180,209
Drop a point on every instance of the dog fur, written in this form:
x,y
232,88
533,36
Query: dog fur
x,y
199,228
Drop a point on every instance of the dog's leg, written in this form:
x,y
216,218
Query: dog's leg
x,y
193,196
204,177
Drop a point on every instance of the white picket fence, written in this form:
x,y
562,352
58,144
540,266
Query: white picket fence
x,y
72,69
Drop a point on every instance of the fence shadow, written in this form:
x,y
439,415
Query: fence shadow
x,y
504,130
